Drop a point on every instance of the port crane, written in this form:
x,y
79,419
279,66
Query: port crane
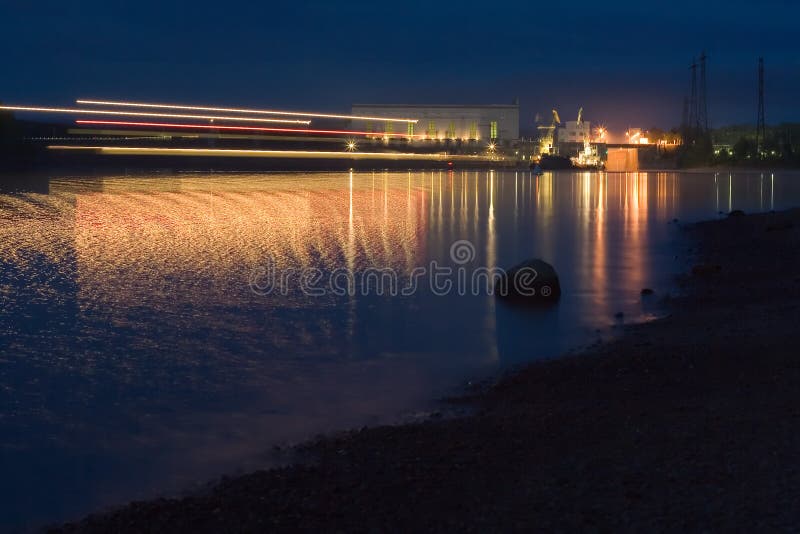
x,y
547,135
588,157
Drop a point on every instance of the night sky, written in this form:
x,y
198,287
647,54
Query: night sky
x,y
625,63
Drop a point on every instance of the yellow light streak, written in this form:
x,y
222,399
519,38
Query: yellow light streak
x,y
147,114
300,154
190,135
240,110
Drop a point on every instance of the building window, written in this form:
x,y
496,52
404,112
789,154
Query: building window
x,y
368,127
432,129
389,127
451,130
411,129
493,130
473,130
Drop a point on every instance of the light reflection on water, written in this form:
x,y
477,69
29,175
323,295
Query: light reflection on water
x,y
134,357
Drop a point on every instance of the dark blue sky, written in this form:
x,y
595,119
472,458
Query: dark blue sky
x,y
626,63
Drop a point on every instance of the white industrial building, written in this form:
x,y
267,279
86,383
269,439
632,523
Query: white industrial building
x,y
575,132
496,122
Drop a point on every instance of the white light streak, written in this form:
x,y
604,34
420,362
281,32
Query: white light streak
x,y
147,114
240,110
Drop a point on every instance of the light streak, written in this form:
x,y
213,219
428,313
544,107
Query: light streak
x,y
240,110
297,154
164,134
244,128
147,114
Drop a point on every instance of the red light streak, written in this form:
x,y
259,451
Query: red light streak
x,y
245,128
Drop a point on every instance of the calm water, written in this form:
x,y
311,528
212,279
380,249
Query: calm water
x,y
137,358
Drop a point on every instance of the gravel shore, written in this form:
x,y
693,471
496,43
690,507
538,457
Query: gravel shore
x,y
690,422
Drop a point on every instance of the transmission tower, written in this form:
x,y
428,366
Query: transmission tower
x,y
702,103
685,115
761,126
692,123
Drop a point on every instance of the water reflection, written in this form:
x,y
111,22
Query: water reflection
x,y
132,345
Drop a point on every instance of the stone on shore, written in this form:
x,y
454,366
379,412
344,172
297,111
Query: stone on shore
x,y
533,281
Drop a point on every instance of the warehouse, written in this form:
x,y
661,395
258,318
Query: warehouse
x,y
489,123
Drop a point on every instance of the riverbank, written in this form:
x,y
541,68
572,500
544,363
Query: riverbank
x,y
689,422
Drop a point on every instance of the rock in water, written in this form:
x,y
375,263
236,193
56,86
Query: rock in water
x,y
736,213
532,281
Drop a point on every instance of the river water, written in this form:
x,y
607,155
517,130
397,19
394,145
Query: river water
x,y
159,330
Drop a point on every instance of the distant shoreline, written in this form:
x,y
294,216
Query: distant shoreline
x,y
87,162
688,422
321,166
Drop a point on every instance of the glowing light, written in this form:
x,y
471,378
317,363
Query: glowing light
x,y
240,110
147,114
492,147
601,132
351,146
296,154
635,138
235,128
